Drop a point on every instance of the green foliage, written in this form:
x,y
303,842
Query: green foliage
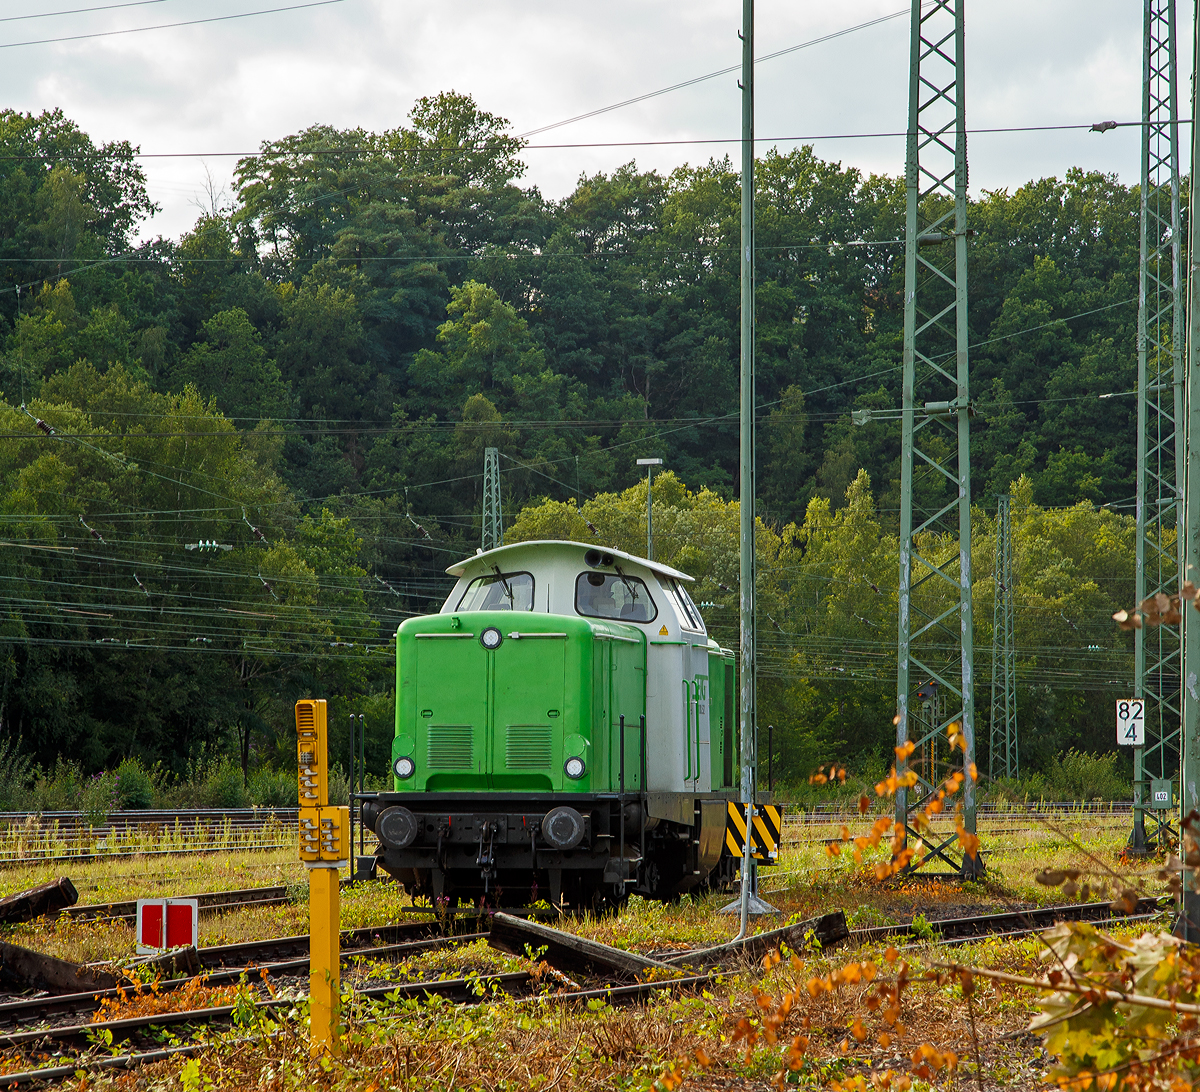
x,y
273,788
16,775
231,366
921,928
59,790
1079,776
215,784
135,785
1093,1034
394,302
99,796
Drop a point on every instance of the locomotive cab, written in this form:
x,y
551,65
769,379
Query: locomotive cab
x,y
564,730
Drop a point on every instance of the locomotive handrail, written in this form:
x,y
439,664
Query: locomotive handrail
x,y
687,716
621,802
427,636
516,635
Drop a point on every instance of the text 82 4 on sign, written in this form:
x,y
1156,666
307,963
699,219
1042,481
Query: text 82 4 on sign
x,y
1131,722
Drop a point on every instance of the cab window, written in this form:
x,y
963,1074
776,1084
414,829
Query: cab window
x,y
500,591
689,614
621,598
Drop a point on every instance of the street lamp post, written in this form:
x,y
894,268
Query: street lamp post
x,y
649,464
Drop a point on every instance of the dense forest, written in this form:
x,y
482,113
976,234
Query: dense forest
x,y
233,462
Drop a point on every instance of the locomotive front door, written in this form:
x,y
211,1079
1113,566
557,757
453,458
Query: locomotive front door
x,y
528,714
451,712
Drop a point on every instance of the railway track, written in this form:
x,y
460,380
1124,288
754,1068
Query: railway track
x,y
210,818
467,990
66,836
1013,922
209,902
1084,809
226,963
28,837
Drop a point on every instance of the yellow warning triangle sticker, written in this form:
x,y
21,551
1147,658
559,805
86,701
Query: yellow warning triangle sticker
x,y
662,632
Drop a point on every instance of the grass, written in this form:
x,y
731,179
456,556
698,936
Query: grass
x,y
509,1044
102,881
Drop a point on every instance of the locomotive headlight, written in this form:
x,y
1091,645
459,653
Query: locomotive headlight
x,y
405,767
574,768
490,638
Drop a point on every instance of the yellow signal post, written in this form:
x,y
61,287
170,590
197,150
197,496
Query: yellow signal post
x,y
324,849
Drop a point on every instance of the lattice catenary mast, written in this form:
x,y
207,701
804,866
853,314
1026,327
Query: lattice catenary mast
x,y
1002,752
1190,757
493,524
1160,425
935,655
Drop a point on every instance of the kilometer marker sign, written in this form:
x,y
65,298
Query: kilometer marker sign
x,y
1131,722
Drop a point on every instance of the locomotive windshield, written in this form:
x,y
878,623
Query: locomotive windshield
x,y
622,598
500,591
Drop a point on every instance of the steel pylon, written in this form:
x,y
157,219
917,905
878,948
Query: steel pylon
x,y
1160,427
935,654
493,524
1189,796
1002,752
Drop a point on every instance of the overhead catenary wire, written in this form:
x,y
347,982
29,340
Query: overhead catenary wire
x,y
78,11
713,75
465,149
170,26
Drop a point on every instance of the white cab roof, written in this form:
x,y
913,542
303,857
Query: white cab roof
x,y
494,557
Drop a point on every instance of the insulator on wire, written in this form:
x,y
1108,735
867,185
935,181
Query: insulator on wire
x,y
388,586
93,532
266,584
254,530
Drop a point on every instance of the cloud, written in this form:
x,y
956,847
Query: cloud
x,y
229,86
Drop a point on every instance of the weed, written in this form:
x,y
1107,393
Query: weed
x,y
921,928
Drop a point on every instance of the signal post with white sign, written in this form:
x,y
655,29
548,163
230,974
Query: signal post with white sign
x,y
324,849
1131,722
1157,803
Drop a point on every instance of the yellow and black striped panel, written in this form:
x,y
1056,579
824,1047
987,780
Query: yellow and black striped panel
x,y
767,825
766,832
735,828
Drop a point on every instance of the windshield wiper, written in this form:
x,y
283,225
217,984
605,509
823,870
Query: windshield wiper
x,y
508,592
625,580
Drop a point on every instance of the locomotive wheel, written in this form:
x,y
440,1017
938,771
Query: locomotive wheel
x,y
663,874
599,898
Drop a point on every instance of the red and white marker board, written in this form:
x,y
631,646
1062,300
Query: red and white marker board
x,y
167,923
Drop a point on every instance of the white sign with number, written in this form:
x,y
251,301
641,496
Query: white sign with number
x,y
1131,722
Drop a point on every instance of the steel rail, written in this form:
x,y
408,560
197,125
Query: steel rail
x,y
984,925
209,902
125,855
454,989
226,964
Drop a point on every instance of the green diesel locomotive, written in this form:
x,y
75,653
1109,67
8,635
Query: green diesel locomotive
x,y
564,730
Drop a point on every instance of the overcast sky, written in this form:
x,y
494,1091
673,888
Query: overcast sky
x,y
228,86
